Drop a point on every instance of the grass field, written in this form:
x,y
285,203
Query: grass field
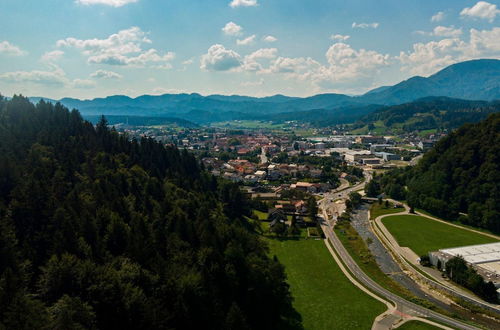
x,y
377,210
423,235
415,325
323,295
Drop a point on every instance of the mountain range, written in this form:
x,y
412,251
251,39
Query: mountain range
x,y
470,80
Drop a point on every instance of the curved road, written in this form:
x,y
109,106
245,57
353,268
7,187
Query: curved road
x,y
404,306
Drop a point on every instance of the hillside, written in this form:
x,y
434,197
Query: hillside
x,y
99,232
472,80
459,175
427,114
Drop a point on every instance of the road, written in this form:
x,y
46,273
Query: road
x,y
404,307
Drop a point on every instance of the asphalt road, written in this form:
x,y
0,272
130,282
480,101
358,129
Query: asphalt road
x,y
403,305
384,260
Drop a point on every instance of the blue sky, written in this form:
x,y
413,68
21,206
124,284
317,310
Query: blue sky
x,y
95,48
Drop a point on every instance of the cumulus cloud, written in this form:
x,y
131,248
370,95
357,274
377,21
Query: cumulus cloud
x,y
339,37
438,17
113,3
218,58
347,66
269,39
10,49
243,3
55,77
232,29
373,25
257,60
443,31
427,58
122,48
103,74
246,41
482,10
52,56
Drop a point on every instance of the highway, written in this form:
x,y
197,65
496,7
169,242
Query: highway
x,y
403,306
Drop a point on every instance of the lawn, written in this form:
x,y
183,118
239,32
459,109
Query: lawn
x,y
423,235
415,325
377,210
323,295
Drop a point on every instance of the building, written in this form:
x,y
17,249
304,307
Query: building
x,y
379,147
386,156
353,156
370,140
485,258
425,145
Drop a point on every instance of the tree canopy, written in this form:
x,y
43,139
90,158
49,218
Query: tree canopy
x,y
98,231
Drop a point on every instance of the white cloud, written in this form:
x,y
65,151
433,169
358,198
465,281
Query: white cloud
x,y
113,3
243,3
442,31
246,41
232,29
438,17
10,49
260,82
348,66
56,77
298,66
52,56
483,10
257,60
269,39
122,48
427,58
83,84
218,58
103,74
339,37
188,62
373,25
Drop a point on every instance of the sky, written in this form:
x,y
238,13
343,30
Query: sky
x,y
95,48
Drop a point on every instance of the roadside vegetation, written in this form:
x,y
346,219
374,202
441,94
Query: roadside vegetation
x,y
361,254
377,209
423,235
416,325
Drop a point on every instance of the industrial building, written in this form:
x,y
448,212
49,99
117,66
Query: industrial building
x,y
485,258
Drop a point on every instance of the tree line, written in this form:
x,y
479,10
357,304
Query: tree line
x,y
456,180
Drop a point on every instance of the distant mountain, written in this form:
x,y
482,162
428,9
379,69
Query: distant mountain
x,y
426,114
471,80
142,121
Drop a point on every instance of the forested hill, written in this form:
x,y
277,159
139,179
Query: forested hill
x,y
99,232
427,114
459,175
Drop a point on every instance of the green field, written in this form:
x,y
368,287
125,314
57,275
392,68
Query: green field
x,y
423,235
323,295
377,210
415,325
250,124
